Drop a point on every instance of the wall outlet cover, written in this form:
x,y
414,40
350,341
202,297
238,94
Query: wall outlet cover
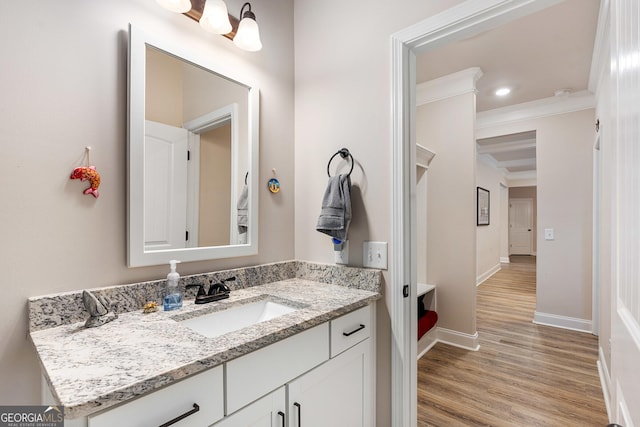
x,y
342,257
548,234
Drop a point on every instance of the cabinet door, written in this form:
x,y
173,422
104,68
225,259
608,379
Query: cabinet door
x,y
265,412
336,393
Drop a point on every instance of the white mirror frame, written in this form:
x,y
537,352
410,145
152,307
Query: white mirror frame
x,y
136,255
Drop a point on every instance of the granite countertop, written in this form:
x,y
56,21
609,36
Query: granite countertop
x,y
92,369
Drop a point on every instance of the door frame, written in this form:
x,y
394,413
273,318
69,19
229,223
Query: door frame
x,y
463,20
531,236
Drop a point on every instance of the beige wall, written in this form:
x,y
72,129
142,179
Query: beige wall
x,y
451,207
343,80
64,86
488,237
163,89
215,187
529,192
564,168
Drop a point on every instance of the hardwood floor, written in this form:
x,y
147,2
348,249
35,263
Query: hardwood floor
x,y
523,375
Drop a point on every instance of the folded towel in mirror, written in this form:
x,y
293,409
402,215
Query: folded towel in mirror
x,y
243,210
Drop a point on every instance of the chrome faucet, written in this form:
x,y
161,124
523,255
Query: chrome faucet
x,y
216,292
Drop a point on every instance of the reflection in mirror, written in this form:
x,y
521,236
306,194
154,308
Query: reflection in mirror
x,y
197,151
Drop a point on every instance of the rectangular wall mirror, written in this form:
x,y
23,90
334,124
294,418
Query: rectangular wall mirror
x,y
192,157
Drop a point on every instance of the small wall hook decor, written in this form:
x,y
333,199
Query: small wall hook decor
x,y
274,184
90,173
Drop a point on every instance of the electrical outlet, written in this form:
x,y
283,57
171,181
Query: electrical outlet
x,y
374,255
548,234
342,257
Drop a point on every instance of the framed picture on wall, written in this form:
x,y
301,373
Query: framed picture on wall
x,y
482,198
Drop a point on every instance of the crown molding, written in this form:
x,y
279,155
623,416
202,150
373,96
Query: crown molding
x,y
500,168
424,156
545,107
448,86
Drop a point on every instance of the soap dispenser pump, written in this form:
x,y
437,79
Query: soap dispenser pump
x,y
173,296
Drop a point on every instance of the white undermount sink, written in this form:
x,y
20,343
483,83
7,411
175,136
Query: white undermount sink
x,y
237,317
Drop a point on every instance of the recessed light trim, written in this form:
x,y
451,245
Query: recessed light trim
x,y
503,91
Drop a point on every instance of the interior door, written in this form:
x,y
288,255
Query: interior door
x,y
165,186
520,226
625,296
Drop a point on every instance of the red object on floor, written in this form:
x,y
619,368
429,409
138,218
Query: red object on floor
x,y
426,322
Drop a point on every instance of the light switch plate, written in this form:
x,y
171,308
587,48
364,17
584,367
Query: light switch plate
x,y
374,255
548,234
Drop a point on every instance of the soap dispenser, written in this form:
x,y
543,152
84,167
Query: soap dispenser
x,y
172,296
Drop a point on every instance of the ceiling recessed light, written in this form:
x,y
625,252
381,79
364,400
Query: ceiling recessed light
x,y
503,91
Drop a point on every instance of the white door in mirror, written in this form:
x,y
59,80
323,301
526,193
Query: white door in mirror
x,y
165,181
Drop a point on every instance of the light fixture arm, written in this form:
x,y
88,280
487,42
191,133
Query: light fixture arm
x,y
248,13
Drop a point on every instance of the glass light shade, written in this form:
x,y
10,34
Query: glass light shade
x,y
178,6
248,35
215,17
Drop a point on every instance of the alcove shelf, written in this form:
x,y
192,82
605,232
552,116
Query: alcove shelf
x,y
427,318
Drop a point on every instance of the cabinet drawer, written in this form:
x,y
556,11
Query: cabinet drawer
x,y
256,374
350,329
205,389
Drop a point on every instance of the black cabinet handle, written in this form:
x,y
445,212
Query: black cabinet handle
x,y
297,405
359,328
195,409
282,415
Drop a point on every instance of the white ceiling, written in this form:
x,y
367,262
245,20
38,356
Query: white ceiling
x,y
535,55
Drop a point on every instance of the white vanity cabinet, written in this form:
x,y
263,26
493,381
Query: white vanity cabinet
x,y
319,377
336,391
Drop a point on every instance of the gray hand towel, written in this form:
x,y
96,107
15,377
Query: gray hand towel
x,y
243,210
335,215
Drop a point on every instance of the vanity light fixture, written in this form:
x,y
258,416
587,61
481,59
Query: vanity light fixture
x,y
248,34
178,6
215,17
503,91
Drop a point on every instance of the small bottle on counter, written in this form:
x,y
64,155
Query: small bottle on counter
x,y
172,296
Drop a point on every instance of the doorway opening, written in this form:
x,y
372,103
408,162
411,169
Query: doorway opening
x,y
459,23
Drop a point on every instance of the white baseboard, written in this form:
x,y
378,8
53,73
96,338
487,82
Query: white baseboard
x,y
484,276
459,339
564,322
534,253
605,382
504,260
427,341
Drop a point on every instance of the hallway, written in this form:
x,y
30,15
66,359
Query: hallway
x,y
523,375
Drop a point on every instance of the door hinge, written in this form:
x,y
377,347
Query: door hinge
x,y
186,237
188,155
405,291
